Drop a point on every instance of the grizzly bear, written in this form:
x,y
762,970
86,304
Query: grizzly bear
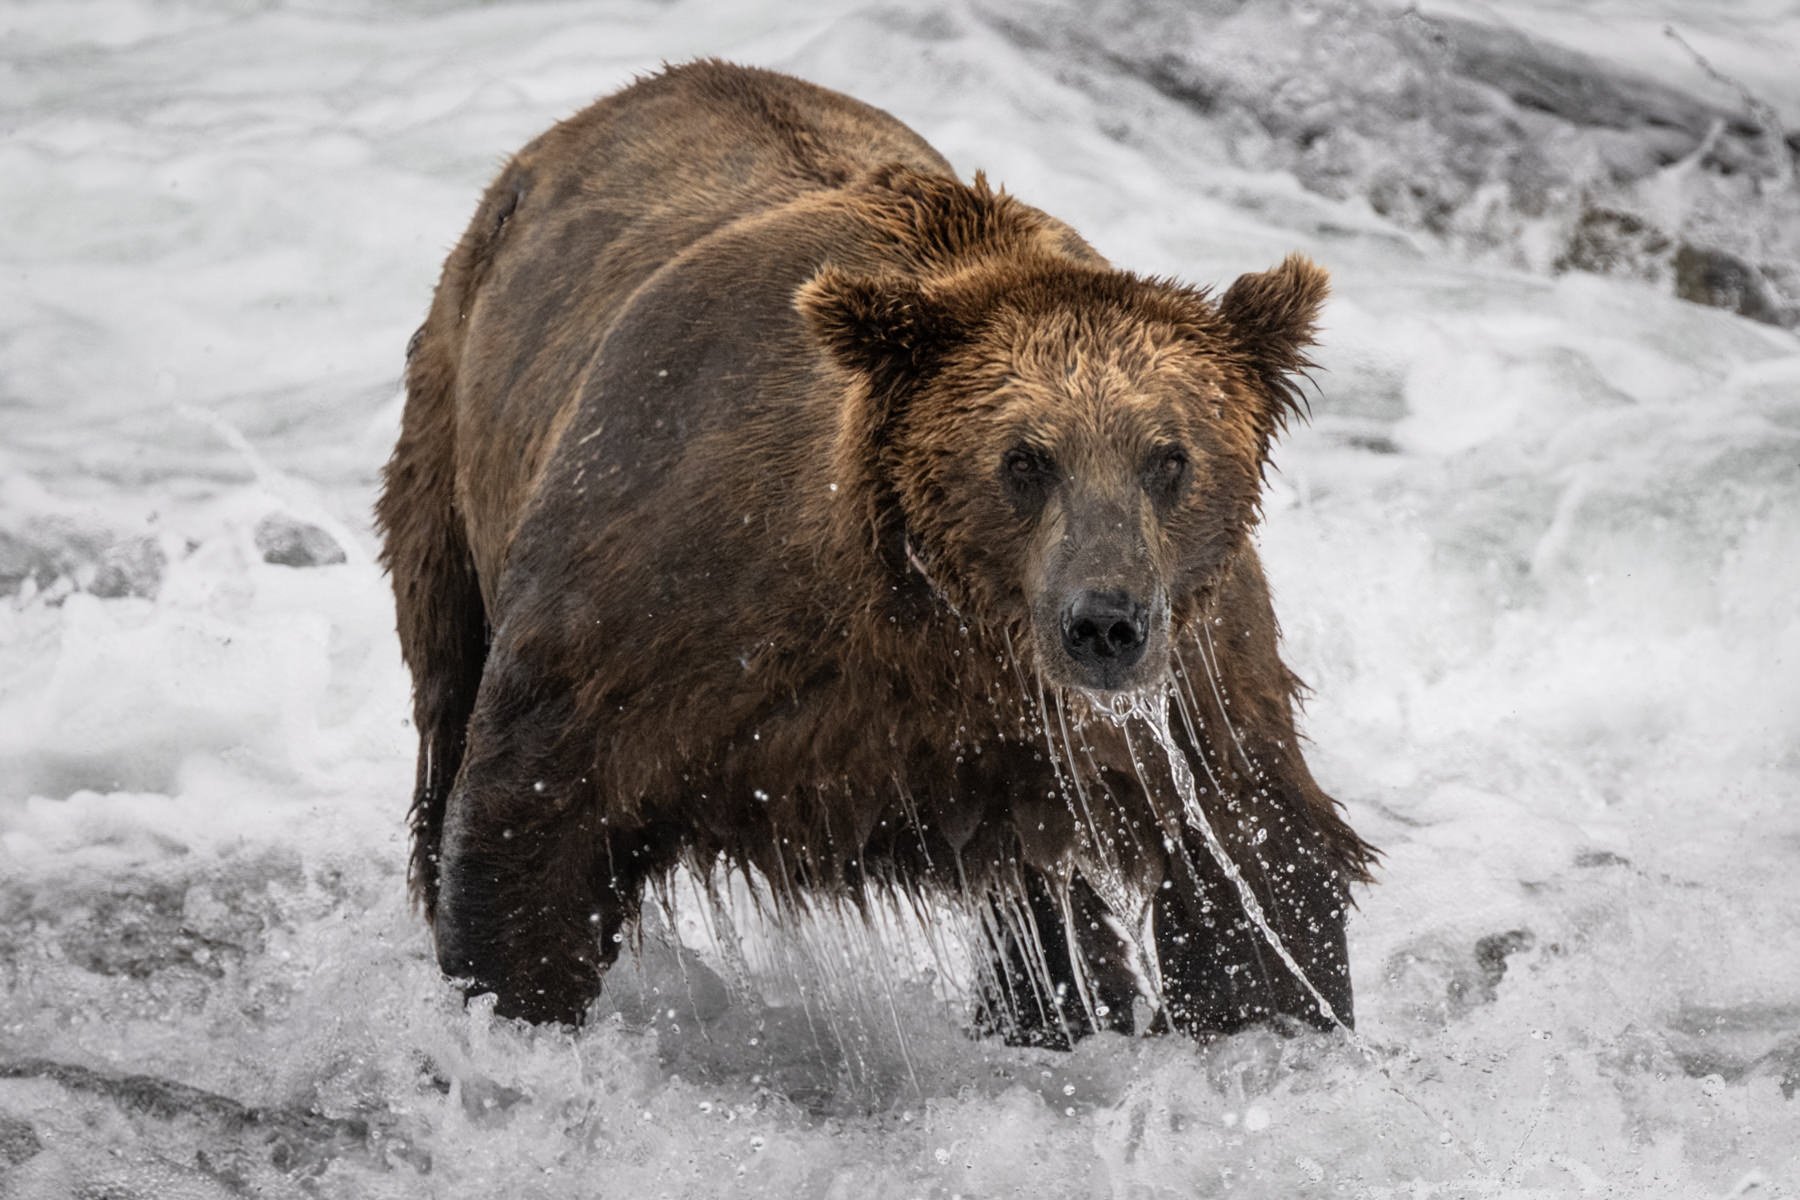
x,y
769,499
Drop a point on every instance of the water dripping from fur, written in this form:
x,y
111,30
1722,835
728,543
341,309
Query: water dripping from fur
x,y
1152,711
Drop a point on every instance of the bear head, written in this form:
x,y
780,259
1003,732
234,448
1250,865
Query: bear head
x,y
1069,453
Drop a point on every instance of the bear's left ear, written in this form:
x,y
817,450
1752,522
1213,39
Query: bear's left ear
x,y
883,326
1273,317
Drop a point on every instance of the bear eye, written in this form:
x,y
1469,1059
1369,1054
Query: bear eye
x,y
1022,463
1028,475
1166,472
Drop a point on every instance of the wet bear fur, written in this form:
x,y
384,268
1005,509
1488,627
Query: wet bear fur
x,y
751,468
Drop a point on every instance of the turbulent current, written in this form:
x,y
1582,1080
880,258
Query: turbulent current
x,y
1536,555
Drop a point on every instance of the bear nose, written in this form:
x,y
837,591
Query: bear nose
x,y
1105,630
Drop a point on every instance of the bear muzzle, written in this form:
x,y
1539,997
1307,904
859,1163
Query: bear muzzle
x,y
1105,630
1106,636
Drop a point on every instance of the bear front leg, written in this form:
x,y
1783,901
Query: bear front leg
x,y
1039,990
1235,701
533,890
524,913
1220,971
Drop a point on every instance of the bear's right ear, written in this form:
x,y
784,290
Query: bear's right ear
x,y
883,326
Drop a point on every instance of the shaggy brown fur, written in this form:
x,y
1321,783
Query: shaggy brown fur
x,y
753,476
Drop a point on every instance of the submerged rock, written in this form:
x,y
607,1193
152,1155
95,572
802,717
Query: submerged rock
x,y
289,542
52,558
1722,280
1606,241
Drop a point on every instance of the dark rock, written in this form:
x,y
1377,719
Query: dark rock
x,y
289,542
1721,280
1608,242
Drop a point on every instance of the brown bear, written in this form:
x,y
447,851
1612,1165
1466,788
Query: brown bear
x,y
767,498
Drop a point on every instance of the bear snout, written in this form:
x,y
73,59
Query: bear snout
x,y
1104,635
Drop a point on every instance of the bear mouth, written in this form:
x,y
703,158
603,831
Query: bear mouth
x,y
1107,683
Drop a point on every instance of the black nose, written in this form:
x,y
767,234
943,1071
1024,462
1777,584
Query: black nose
x,y
1105,631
